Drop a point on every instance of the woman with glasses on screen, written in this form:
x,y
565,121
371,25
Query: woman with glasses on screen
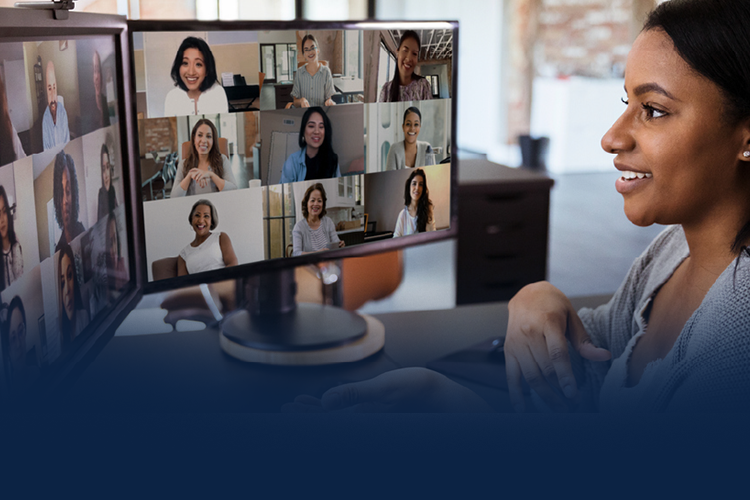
x,y
207,251
410,152
416,217
198,89
107,198
316,158
205,170
316,231
313,83
73,314
12,256
676,334
406,85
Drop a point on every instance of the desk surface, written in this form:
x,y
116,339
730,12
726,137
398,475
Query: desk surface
x,y
188,371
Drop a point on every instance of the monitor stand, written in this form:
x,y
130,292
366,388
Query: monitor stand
x,y
271,327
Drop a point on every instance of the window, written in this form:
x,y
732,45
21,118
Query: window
x,y
278,220
387,66
352,50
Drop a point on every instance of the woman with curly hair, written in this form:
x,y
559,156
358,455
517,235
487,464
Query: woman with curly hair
x,y
416,217
65,198
205,170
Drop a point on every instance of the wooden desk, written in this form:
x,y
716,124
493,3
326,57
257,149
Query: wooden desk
x,y
188,371
502,232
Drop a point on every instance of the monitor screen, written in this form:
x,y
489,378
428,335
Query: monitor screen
x,y
66,248
270,145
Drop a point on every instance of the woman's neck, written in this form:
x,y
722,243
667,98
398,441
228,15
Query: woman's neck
x,y
410,147
200,239
6,244
194,94
405,80
312,152
203,162
313,220
413,207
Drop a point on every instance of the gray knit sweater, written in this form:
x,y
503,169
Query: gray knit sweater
x,y
708,369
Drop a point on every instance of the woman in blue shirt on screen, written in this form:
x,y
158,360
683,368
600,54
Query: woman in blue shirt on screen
x,y
316,158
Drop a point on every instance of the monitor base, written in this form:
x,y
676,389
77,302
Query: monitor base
x,y
359,345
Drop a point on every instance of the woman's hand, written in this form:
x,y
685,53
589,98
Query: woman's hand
x,y
402,390
197,175
341,244
302,103
329,102
540,323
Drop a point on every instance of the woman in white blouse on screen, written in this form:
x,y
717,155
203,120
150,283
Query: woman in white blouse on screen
x,y
416,217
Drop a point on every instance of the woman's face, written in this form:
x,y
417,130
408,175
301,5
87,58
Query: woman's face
x,y
408,55
67,201
97,73
310,51
67,286
3,220
416,187
315,203
677,155
202,220
193,69
106,178
411,128
315,131
204,140
17,338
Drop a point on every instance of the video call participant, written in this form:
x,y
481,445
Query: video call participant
x,y
117,274
55,129
407,85
13,344
674,337
100,98
65,199
107,198
416,217
11,267
205,170
198,89
73,314
313,83
410,152
316,158
208,251
316,231
10,145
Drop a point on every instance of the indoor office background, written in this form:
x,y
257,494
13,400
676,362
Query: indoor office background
x,y
526,67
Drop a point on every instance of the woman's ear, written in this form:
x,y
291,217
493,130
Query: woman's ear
x,y
744,154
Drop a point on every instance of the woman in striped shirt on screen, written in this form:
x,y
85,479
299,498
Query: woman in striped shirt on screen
x,y
313,83
315,231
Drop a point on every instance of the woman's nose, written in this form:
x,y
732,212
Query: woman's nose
x,y
619,137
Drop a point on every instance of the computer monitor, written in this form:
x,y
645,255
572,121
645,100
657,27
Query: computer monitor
x,y
351,129
126,166
69,271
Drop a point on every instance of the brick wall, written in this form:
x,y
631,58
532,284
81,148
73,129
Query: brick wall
x,y
159,133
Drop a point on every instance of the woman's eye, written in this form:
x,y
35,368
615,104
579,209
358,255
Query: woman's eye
x,y
652,112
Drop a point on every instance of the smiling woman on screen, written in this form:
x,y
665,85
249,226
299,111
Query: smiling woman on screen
x,y
198,89
207,251
676,334
316,158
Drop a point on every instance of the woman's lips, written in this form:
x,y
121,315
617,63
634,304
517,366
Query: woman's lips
x,y
630,181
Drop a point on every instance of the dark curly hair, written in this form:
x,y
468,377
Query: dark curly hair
x,y
192,42
424,205
64,162
68,326
306,198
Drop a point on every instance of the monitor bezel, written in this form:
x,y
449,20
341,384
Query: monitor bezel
x,y
23,25
365,249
